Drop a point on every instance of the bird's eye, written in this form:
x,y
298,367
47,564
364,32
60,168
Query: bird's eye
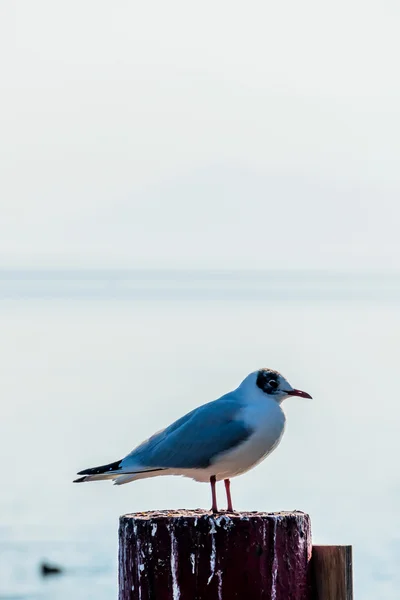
x,y
273,384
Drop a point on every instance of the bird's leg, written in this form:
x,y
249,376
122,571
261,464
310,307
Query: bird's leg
x,y
214,507
228,494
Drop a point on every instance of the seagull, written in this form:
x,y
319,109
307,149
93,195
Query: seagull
x,y
214,442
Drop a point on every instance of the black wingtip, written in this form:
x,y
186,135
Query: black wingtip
x,y
80,480
115,466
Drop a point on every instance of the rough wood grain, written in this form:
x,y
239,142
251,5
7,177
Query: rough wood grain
x,y
332,576
195,555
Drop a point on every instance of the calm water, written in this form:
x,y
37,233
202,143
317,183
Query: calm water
x,y
92,363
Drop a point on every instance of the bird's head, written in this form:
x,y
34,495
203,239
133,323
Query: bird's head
x,y
275,385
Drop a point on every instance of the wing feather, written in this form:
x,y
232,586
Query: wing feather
x,y
195,440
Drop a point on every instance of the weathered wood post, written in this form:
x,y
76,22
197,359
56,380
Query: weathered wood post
x,y
195,555
332,573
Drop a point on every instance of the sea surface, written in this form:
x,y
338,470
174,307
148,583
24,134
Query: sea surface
x,y
92,362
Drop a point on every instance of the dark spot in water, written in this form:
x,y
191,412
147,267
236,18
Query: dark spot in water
x,y
48,569
259,550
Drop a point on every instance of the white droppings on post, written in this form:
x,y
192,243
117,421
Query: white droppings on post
x,y
153,529
139,565
176,592
219,575
213,556
302,540
193,562
213,523
264,534
225,522
274,563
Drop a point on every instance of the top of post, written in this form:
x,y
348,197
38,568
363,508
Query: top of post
x,y
199,513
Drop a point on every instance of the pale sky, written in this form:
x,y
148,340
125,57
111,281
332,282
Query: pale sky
x,y
213,134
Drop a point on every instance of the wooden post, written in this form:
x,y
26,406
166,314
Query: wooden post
x,y
332,577
195,555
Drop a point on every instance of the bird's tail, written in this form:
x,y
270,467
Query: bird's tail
x,y
117,473
98,473
128,477
99,477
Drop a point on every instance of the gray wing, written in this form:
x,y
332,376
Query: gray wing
x,y
195,440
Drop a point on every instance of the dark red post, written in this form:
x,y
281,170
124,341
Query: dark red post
x,y
195,555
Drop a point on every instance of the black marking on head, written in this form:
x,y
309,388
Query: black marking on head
x,y
268,380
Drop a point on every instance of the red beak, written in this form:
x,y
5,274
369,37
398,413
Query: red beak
x,y
299,393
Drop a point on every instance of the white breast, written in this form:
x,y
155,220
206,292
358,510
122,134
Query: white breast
x,y
267,420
